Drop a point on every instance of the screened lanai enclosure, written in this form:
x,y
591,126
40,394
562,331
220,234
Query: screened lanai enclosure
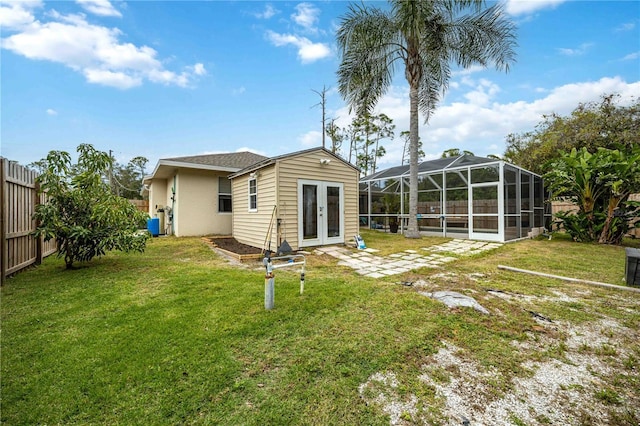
x,y
460,197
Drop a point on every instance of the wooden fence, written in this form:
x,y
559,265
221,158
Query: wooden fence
x,y
142,205
18,198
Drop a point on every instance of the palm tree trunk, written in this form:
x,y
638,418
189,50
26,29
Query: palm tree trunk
x,y
605,235
412,228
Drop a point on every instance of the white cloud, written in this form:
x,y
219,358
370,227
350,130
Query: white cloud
x,y
52,112
468,71
307,50
311,139
17,15
575,52
482,127
523,7
198,69
239,91
631,56
118,80
628,26
99,7
96,52
306,16
484,91
268,12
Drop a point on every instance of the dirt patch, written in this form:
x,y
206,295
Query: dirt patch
x,y
232,245
555,391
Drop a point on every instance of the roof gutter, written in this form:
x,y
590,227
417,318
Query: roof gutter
x,y
183,164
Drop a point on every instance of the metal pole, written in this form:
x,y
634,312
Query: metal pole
x,y
269,278
269,284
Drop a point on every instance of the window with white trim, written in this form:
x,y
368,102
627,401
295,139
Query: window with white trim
x,y
224,195
253,195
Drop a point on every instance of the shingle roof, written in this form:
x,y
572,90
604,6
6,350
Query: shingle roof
x,y
237,160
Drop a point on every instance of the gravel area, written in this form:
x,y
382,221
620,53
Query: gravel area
x,y
554,391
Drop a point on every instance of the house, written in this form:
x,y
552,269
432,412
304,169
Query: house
x,y
461,197
192,195
306,198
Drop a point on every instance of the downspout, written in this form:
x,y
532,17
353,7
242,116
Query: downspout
x,y
173,206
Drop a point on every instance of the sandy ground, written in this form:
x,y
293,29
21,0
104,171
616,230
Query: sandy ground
x,y
554,391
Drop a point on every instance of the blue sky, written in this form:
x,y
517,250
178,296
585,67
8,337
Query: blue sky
x,y
164,79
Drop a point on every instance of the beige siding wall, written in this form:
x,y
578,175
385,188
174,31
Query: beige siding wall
x,y
251,227
196,206
308,167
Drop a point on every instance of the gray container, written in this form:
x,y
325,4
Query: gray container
x,y
631,268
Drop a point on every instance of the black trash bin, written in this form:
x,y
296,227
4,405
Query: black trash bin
x,y
632,269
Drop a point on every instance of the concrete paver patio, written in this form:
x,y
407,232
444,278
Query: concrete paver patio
x,y
365,262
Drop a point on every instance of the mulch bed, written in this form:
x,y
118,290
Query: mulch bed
x,y
233,246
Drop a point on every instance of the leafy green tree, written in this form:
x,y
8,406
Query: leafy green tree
x,y
425,37
81,212
384,130
600,185
371,129
336,134
592,125
127,179
405,136
455,152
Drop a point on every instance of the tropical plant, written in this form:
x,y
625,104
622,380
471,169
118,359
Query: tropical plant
x,y
600,185
425,37
81,212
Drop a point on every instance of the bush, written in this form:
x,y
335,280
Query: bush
x,y
81,213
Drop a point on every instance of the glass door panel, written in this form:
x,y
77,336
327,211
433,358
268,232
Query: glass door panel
x,y
333,211
309,212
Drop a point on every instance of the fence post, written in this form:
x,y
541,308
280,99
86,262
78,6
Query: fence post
x,y
3,219
36,201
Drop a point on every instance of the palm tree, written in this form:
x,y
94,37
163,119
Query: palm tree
x,y
426,36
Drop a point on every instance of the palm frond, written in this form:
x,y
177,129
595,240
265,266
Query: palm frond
x,y
370,47
486,38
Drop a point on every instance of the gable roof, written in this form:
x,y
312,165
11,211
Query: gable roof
x,y
273,160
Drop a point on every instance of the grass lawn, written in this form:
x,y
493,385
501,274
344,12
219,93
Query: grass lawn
x,y
179,336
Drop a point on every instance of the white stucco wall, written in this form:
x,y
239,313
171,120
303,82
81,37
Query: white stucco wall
x,y
196,206
157,195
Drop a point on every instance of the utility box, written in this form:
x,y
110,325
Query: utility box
x,y
632,269
160,216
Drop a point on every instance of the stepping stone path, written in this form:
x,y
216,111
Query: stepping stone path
x,y
366,262
464,247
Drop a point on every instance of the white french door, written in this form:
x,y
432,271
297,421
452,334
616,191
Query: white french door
x,y
320,213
